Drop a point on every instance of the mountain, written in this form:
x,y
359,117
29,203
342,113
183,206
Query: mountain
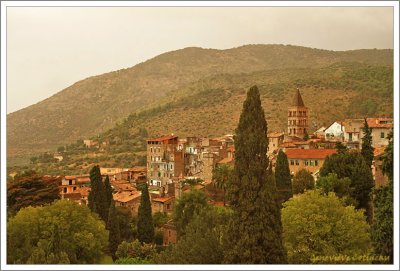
x,y
195,90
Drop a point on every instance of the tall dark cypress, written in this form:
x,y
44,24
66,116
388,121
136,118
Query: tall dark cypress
x,y
114,237
108,190
97,195
367,150
145,226
282,177
254,234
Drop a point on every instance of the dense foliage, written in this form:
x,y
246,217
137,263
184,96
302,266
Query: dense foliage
x,y
201,243
31,190
113,225
63,232
351,164
254,233
283,179
303,180
340,186
97,199
367,150
145,226
382,227
315,225
190,204
221,175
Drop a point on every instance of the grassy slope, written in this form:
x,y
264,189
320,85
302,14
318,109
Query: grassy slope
x,y
95,104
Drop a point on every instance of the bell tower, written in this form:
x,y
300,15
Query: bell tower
x,y
297,117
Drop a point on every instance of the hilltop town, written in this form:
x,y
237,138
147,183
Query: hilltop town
x,y
178,165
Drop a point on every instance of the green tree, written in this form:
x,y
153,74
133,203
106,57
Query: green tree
x,y
255,232
133,261
367,150
126,224
340,148
303,180
382,227
108,190
31,190
190,204
201,243
145,227
282,177
77,235
340,186
97,199
352,165
135,249
114,237
220,176
319,225
159,219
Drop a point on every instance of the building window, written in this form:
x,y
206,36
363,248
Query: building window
x,y
65,190
306,162
382,135
294,131
74,188
312,163
290,113
291,162
151,149
169,233
297,162
316,163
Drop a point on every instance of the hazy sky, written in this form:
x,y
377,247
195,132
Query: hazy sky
x,y
50,48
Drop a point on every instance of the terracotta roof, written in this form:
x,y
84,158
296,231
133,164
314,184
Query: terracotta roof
x,y
380,122
275,134
312,153
297,100
287,145
163,199
163,138
126,196
379,151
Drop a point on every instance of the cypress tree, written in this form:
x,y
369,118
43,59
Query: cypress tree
x,y
367,150
382,227
108,191
145,226
283,178
114,237
97,195
254,234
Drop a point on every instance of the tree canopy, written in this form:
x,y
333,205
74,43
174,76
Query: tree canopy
x,y
254,233
303,180
351,164
145,226
283,179
367,151
190,204
31,190
202,242
62,232
315,224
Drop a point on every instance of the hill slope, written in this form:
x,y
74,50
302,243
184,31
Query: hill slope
x,y
95,104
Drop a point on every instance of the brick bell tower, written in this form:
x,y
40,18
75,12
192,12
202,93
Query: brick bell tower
x,y
297,117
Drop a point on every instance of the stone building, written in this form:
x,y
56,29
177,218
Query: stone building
x,y
164,160
297,117
311,159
